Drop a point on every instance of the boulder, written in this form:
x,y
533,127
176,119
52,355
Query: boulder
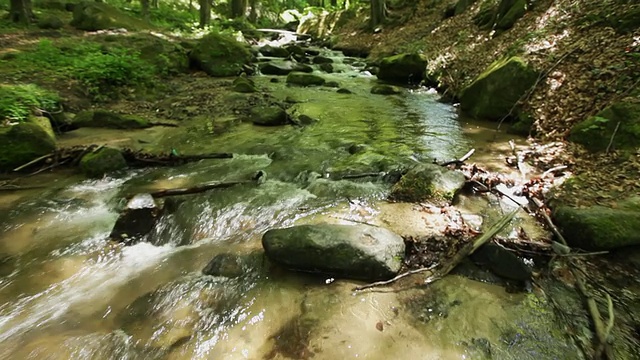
x,y
403,68
598,227
220,55
44,123
322,60
382,89
136,220
359,252
509,11
494,93
105,160
283,68
304,79
344,91
274,51
22,143
501,262
595,133
428,182
50,22
269,116
244,85
326,67
295,50
107,119
93,16
225,264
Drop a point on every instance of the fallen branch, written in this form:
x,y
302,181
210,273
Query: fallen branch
x,y
460,161
457,258
612,136
197,189
32,162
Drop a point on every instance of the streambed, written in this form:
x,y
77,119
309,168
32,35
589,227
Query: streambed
x,y
66,293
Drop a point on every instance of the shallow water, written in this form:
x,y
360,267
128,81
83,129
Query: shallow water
x,y
67,293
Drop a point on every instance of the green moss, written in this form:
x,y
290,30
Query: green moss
x,y
22,143
304,79
18,101
107,119
596,132
428,182
44,123
403,68
494,93
509,11
220,55
103,161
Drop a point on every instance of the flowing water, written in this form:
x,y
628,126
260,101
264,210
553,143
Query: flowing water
x,y
67,293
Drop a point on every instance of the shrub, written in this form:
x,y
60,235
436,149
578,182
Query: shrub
x,y
18,101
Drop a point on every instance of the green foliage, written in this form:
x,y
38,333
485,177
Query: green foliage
x,y
18,101
98,68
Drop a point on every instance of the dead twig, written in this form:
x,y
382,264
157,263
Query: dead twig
x,y
612,136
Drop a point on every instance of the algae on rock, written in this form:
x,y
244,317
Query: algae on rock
x,y
22,143
495,93
105,160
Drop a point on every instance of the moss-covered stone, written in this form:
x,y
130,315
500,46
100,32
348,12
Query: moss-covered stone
x,y
107,119
274,51
244,85
93,16
462,5
44,123
22,143
523,126
600,228
269,116
509,11
103,161
428,182
403,68
50,22
595,133
495,92
220,55
283,68
304,79
381,89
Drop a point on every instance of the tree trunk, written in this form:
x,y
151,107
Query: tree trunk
x,y
145,9
205,12
378,12
154,3
238,8
20,11
253,14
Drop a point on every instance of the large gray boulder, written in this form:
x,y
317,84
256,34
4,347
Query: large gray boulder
x,y
359,252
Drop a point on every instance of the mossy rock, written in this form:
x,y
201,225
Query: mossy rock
x,y
595,133
50,22
495,92
244,85
523,126
403,68
220,55
462,6
274,51
304,79
107,119
486,16
22,143
382,89
509,11
279,67
322,60
627,22
168,57
600,228
103,161
44,123
269,116
93,16
428,182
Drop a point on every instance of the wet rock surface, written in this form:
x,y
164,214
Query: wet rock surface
x,y
136,220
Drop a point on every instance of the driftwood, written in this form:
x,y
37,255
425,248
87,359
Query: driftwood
x,y
457,258
460,161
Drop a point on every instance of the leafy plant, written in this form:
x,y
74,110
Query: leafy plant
x,y
18,101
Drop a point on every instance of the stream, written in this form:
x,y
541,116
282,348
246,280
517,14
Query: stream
x,y
67,293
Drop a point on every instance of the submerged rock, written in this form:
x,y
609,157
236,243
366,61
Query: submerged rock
x,y
136,220
382,89
359,252
494,93
22,143
596,132
403,68
225,264
599,227
105,160
283,68
108,119
269,116
304,79
428,182
220,55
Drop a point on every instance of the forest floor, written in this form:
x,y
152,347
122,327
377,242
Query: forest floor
x,y
587,66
